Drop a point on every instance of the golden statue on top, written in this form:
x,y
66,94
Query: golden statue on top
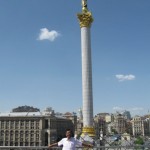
x,y
84,6
84,3
85,18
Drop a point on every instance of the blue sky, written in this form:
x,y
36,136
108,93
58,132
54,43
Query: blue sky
x,y
40,55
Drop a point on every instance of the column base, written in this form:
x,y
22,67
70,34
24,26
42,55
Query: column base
x,y
88,130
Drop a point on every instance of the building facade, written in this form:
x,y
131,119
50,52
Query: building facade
x,y
32,128
137,126
120,123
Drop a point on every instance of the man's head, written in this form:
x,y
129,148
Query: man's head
x,y
69,133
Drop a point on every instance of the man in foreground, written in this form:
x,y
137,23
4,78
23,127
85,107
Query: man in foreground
x,y
69,143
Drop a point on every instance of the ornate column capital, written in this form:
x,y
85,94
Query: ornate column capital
x,y
85,19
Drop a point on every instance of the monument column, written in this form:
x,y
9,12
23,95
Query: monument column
x,y
85,20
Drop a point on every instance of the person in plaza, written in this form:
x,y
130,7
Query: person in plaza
x,y
69,143
125,142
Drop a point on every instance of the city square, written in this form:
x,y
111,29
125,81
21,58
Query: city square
x,y
43,90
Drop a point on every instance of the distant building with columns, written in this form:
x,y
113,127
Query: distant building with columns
x,y
32,128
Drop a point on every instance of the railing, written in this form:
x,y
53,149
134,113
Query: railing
x,y
134,147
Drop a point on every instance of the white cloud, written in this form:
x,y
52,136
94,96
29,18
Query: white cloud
x,y
122,77
45,34
134,111
137,109
116,108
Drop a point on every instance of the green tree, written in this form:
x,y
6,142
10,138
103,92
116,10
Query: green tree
x,y
139,141
114,131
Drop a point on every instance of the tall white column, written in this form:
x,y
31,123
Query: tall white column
x,y
85,20
87,77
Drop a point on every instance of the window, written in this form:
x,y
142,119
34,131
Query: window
x,y
46,124
2,124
